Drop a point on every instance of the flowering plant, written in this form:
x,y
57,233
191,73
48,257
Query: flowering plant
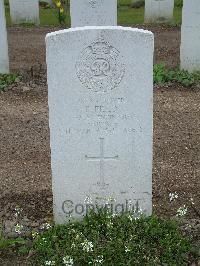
x,y
59,5
102,238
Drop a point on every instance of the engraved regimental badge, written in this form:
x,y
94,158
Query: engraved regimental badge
x,y
94,3
99,67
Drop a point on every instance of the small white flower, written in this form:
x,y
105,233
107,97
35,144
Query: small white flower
x,y
99,259
110,200
77,237
138,210
49,262
44,240
18,228
88,200
48,226
73,245
42,227
34,234
68,261
192,201
129,204
18,211
87,246
127,249
173,196
138,213
130,218
182,211
114,215
109,224
45,226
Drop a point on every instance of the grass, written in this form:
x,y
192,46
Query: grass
x,y
104,239
163,75
131,16
8,79
126,16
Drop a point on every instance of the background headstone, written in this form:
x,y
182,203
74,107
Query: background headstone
x,y
4,62
24,11
158,10
190,36
93,13
100,111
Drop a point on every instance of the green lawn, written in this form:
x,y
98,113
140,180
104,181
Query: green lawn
x,y
126,15
131,16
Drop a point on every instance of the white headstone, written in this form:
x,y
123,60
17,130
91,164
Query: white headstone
x,y
158,10
100,84
24,11
4,62
93,13
190,36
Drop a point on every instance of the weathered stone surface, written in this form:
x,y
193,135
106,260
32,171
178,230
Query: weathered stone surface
x,y
190,36
100,104
24,11
158,10
4,62
93,13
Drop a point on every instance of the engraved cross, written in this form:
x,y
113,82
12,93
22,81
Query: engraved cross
x,y
101,158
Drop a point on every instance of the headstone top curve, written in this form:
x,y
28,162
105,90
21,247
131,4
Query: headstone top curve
x,y
79,29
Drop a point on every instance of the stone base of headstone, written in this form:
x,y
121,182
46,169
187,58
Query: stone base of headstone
x,y
24,11
159,11
190,36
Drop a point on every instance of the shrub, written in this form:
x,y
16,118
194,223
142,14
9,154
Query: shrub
x,y
163,75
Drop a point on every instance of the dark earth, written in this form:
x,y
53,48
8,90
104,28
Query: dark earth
x,y
25,172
